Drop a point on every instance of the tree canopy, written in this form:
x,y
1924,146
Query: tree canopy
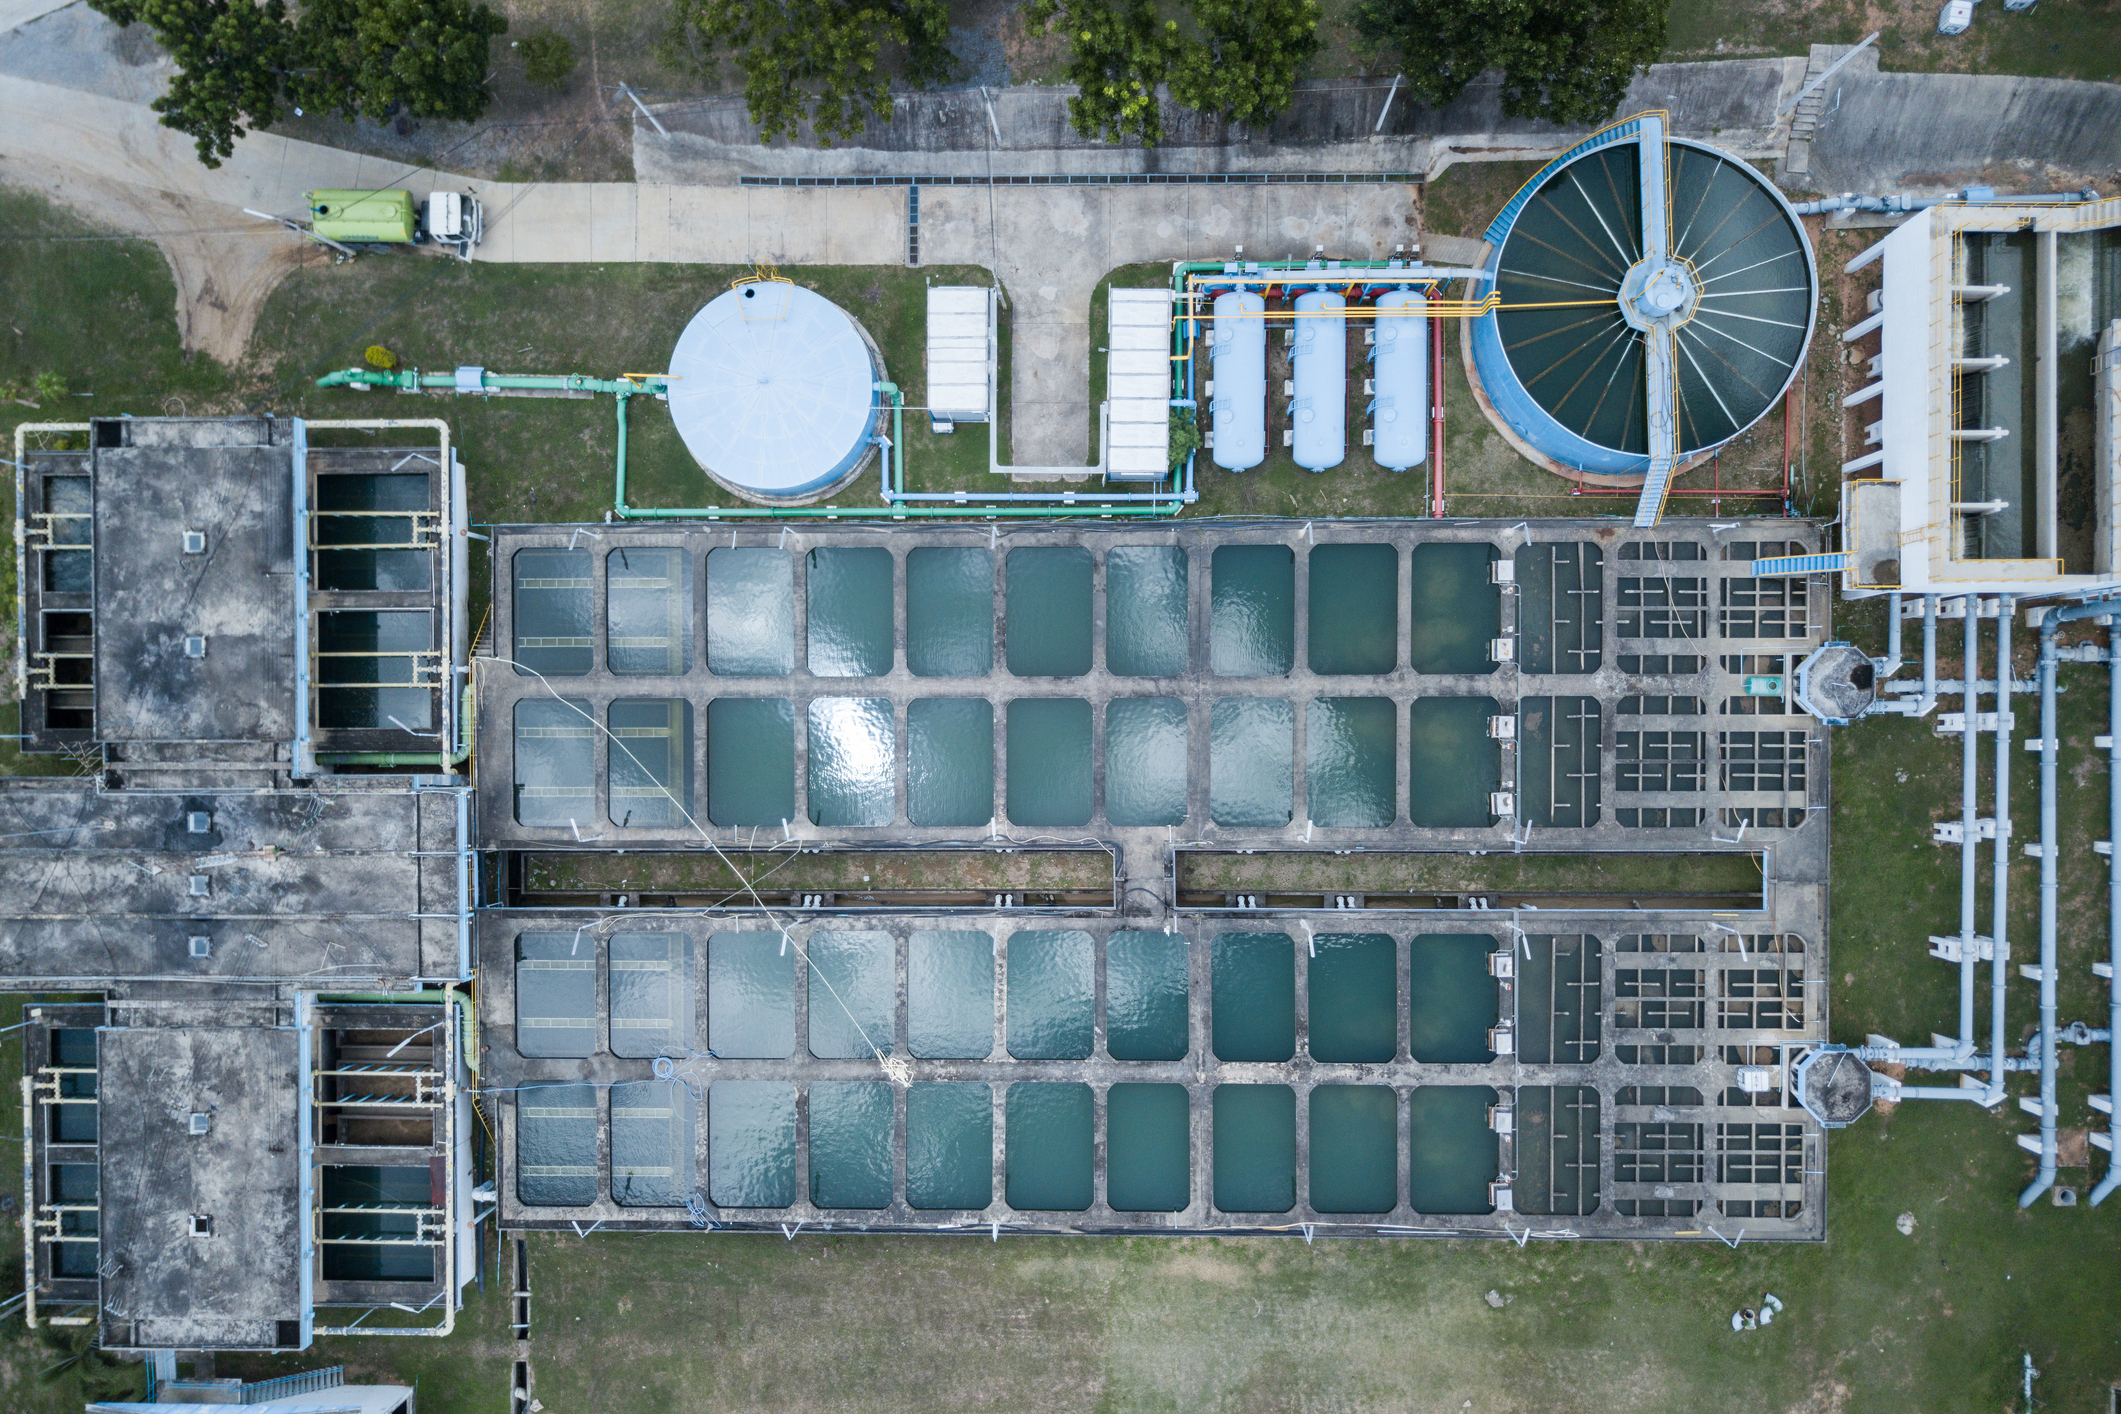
x,y
1567,61
238,61
820,59
1244,64
1118,54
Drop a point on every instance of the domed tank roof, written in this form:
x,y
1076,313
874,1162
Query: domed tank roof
x,y
775,392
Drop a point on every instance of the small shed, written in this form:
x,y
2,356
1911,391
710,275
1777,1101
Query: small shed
x,y
960,354
1138,386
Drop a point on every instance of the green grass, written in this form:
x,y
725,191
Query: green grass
x,y
2072,39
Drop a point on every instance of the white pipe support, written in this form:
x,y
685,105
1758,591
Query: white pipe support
x,y
1970,829
1929,656
1999,888
2112,1179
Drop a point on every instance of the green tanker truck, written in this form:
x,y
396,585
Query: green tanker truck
x,y
446,218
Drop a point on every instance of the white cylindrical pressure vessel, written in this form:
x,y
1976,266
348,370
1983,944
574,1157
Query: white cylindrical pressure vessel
x,y
1319,415
1239,404
1400,412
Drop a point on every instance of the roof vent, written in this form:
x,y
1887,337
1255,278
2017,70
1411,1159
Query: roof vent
x,y
202,1225
199,1123
201,885
194,542
198,822
201,945
195,645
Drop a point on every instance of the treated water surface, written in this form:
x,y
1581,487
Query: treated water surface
x,y
1453,1153
751,996
750,761
751,1143
1452,998
1351,761
1252,611
1354,1148
1353,998
750,612
1148,1148
651,762
1048,623
1146,633
949,612
651,994
651,1144
1145,997
1052,1001
1452,763
1251,762
1252,977
949,1145
852,771
354,675
850,1144
1354,613
556,995
1457,608
852,994
1255,1148
1049,761
1145,761
849,613
950,761
556,1145
551,608
555,762
950,994
647,611
1049,1146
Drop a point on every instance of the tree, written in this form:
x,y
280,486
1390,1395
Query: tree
x,y
1567,61
1244,64
374,58
548,59
820,58
1118,53
230,55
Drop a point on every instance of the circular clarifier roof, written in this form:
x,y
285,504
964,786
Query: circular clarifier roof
x,y
775,391
1737,289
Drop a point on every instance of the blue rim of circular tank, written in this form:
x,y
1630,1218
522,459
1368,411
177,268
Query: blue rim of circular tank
x,y
1732,368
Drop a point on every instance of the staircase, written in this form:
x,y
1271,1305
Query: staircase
x,y
1797,161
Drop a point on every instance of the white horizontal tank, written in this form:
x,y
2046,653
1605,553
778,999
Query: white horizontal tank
x,y
1399,414
1238,340
1319,414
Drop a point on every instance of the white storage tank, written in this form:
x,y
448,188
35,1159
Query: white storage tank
x,y
1399,409
1238,401
1318,415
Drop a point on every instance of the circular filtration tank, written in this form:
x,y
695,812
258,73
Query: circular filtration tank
x,y
1587,296
775,392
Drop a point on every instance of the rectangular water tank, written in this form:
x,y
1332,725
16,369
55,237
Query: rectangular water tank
x,y
959,352
1138,386
1238,341
1400,412
1318,417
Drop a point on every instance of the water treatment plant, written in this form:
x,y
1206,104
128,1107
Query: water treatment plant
x,y
846,830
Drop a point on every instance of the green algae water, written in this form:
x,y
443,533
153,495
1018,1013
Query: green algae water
x,y
950,994
1049,761
1353,996
1453,1154
651,1144
1145,997
1351,761
1052,1004
1252,977
1255,1148
556,1145
1145,761
751,996
750,761
1252,611
1457,609
950,761
849,612
949,612
651,994
750,612
1452,763
751,1143
852,768
1354,1148
651,762
850,1144
1048,616
1558,761
1049,1146
1148,1148
647,612
852,994
949,1145
1451,998
1251,761
1146,633
1354,613
1560,608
